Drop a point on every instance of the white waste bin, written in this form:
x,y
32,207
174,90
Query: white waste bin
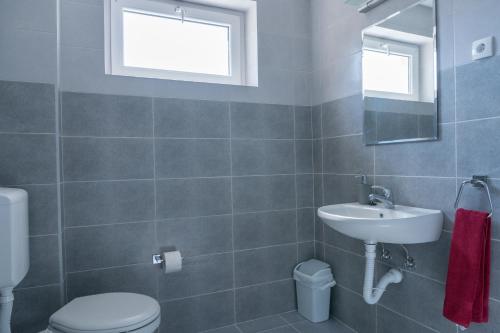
x,y
314,280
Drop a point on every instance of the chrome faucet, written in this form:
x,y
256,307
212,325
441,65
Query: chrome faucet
x,y
386,198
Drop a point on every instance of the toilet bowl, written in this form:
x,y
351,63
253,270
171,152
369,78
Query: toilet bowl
x,y
107,313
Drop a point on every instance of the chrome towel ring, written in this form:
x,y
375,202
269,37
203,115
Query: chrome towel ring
x,y
476,181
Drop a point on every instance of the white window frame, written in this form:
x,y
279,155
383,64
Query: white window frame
x,y
213,15
398,48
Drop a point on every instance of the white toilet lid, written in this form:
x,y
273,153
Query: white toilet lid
x,y
106,313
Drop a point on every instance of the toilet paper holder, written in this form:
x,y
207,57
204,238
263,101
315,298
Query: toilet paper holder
x,y
158,259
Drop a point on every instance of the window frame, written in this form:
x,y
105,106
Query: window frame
x,y
398,48
114,48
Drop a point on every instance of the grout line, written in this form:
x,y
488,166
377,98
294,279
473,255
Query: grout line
x,y
155,195
408,318
39,286
294,115
33,133
232,208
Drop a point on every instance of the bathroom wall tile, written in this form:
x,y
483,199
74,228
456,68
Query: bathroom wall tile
x,y
256,193
92,203
305,224
434,158
305,190
316,122
347,155
431,193
112,245
347,268
340,189
263,229
141,279
42,209
199,275
306,251
196,236
263,121
264,265
302,54
276,51
44,262
318,155
302,88
304,156
27,159
18,15
176,118
33,307
193,197
478,154
27,107
478,79
495,270
388,321
264,300
427,300
342,241
195,314
82,24
318,190
343,116
493,323
261,157
193,158
446,96
275,17
99,159
106,115
261,324
319,250
351,309
303,125
28,55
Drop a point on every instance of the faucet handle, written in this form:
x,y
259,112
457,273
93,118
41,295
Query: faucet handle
x,y
385,190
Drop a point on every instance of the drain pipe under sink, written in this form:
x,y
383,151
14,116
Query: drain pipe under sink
x,y
372,295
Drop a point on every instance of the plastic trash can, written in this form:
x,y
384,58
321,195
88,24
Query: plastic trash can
x,y
314,280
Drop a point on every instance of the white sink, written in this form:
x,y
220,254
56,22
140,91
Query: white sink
x,y
372,224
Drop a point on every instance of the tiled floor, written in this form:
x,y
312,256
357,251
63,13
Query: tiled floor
x,y
289,322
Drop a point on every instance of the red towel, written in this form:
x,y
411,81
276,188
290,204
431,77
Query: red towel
x,y
468,280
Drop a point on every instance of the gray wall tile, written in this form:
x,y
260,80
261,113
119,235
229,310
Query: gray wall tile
x,y
92,203
196,236
27,107
434,158
44,262
303,122
193,158
347,268
351,309
478,149
199,275
265,299
140,279
105,246
305,224
343,116
262,157
193,197
198,313
264,265
493,323
191,119
33,307
306,251
263,193
347,155
303,156
100,159
316,122
261,121
263,229
106,115
305,190
42,209
27,159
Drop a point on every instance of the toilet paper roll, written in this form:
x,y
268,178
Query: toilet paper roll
x,y
172,262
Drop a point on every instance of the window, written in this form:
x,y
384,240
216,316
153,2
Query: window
x,y
390,69
175,40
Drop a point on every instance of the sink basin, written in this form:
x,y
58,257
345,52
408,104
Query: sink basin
x,y
372,224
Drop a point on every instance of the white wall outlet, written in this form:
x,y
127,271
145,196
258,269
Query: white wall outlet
x,y
482,48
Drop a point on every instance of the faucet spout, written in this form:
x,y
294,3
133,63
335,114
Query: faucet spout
x,y
386,197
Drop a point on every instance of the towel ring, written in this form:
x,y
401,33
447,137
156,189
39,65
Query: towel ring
x,y
476,181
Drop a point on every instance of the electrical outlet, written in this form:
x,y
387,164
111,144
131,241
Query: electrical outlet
x,y
482,48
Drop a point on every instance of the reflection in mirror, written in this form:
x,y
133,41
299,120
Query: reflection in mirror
x,y
399,77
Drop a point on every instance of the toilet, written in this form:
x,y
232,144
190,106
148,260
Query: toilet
x,y
107,313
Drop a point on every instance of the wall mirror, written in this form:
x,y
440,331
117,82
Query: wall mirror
x,y
399,77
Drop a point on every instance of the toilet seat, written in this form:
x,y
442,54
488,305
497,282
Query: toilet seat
x,y
107,313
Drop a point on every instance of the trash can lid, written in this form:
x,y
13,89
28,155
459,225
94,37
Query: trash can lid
x,y
312,267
